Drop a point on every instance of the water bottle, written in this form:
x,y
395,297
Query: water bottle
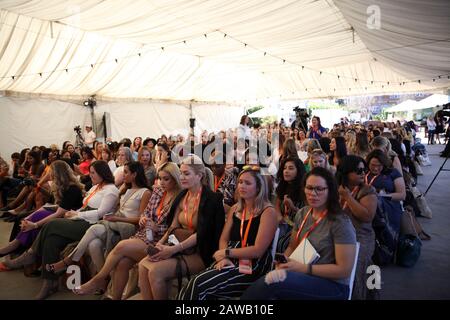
x,y
149,233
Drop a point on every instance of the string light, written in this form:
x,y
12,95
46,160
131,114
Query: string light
x,y
225,35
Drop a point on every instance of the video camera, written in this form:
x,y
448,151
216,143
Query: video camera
x,y
77,129
301,112
446,110
301,115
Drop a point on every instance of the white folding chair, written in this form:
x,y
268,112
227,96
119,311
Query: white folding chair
x,y
352,275
274,245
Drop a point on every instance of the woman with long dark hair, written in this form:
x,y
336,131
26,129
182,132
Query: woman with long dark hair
x,y
288,197
338,150
68,195
133,200
57,234
152,227
316,130
359,202
330,232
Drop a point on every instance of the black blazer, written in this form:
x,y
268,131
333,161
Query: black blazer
x,y
211,219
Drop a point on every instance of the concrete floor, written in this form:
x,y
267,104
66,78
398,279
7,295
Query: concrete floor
x,y
428,279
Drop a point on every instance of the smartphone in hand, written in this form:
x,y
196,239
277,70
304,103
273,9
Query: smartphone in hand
x,y
152,250
280,258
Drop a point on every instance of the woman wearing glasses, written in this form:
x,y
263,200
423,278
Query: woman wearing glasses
x,y
198,213
244,251
390,186
359,202
332,235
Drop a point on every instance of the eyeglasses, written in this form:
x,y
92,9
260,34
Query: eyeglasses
x,y
360,170
316,190
251,168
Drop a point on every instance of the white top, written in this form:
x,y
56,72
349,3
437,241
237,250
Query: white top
x,y
130,202
89,138
118,176
112,166
243,132
431,124
104,200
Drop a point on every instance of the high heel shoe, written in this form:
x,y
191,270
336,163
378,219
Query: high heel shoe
x,y
96,289
52,269
48,288
26,258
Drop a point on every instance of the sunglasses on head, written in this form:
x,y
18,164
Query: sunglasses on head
x,y
360,170
251,168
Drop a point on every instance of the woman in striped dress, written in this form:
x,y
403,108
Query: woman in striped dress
x,y
244,252
130,251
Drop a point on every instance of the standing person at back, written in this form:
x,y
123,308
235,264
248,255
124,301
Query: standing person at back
x,y
89,136
316,130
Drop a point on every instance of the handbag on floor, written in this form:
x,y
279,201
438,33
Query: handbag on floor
x,y
425,210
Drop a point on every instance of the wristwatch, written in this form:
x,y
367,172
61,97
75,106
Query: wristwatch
x,y
227,253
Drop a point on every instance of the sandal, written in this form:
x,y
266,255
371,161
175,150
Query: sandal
x,y
51,267
3,267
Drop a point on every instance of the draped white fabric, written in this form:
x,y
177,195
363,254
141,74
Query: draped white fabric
x,y
26,122
50,36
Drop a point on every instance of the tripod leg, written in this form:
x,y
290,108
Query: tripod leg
x,y
440,169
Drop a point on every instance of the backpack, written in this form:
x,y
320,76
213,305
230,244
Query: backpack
x,y
385,236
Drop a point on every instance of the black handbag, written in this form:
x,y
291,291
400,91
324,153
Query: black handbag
x,y
408,251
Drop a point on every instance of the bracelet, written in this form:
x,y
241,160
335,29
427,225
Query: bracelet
x,y
35,225
181,245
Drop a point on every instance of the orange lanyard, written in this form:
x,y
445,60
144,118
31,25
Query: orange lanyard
x,y
322,215
372,180
158,211
244,238
185,209
86,201
354,192
217,183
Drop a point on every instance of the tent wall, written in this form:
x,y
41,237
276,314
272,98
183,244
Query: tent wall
x,y
25,123
28,122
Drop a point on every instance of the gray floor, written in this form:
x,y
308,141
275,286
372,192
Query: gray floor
x,y
429,279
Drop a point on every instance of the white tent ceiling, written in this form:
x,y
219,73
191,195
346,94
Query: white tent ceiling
x,y
217,50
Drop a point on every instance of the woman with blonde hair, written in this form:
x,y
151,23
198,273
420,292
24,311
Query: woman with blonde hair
x,y
383,144
197,218
133,200
319,158
312,144
68,194
350,141
152,226
243,256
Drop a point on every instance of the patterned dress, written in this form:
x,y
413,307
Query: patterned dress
x,y
152,216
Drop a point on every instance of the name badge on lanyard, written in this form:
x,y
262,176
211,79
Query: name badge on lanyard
x,y
245,265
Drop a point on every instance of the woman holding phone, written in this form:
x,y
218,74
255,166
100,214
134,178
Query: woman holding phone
x,y
330,233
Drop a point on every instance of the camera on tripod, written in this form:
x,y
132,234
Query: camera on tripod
x,y
445,112
77,129
302,116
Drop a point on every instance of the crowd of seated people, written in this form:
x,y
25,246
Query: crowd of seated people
x,y
208,210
